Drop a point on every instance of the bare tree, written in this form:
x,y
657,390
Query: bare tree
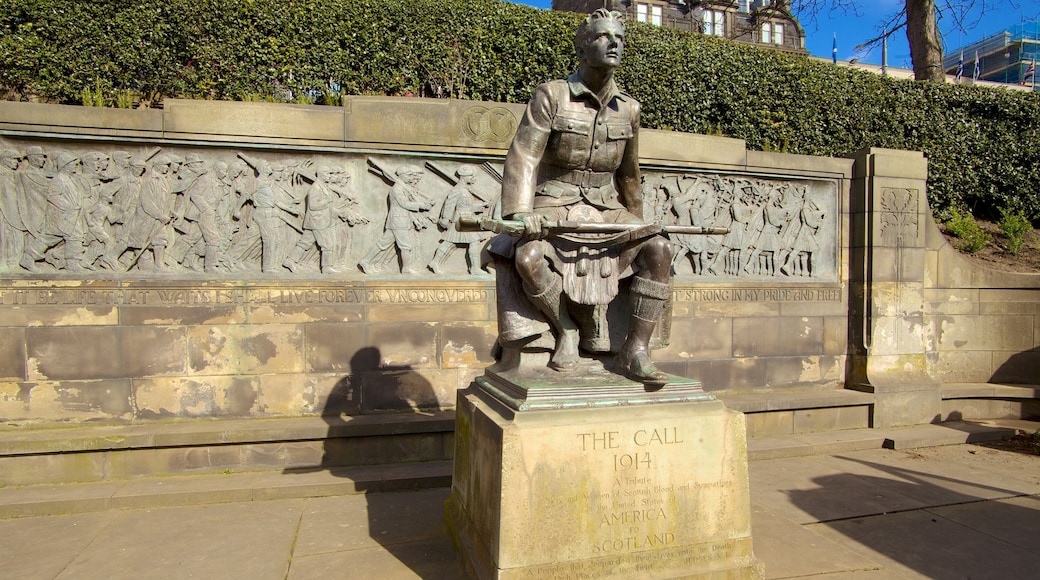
x,y
921,19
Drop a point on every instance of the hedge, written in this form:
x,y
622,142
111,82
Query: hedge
x,y
983,145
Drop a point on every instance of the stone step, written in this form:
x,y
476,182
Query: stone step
x,y
951,433
38,500
32,454
41,500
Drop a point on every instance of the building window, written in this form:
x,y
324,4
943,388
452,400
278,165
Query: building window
x,y
714,22
649,13
772,33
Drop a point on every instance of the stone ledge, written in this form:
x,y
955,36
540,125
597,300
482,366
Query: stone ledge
x,y
989,391
39,439
951,433
787,401
40,500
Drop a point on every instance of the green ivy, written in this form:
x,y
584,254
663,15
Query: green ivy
x,y
983,145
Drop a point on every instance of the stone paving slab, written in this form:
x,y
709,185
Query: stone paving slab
x,y
790,550
231,541
41,547
923,544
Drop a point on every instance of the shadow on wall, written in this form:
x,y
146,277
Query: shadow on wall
x,y
1023,367
408,526
933,522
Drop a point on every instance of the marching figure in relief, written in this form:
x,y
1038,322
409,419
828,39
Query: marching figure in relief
x,y
64,219
464,201
12,238
328,209
408,215
574,158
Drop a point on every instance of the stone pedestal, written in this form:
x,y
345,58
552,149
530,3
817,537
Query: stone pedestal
x,y
650,490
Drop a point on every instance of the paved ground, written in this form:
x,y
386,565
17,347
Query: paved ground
x,y
958,511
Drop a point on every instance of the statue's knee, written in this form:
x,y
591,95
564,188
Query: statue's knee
x,y
528,259
660,248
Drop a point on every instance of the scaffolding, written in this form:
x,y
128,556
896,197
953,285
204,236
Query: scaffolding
x,y
1004,57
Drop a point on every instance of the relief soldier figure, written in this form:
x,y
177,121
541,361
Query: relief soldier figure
x,y
408,215
12,238
464,201
574,158
64,219
327,210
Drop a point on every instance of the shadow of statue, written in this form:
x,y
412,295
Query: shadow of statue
x,y
935,524
406,520
1019,368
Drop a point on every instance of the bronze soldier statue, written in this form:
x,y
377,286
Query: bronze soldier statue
x,y
575,159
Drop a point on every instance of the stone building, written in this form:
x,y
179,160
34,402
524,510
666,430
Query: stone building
x,y
760,22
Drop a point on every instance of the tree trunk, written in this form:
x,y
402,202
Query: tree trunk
x,y
922,32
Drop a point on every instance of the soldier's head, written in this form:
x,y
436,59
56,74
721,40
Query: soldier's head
x,y
161,164
466,173
136,167
67,162
410,174
325,173
600,39
95,163
121,159
10,158
37,158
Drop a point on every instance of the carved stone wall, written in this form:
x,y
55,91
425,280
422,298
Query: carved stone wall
x,y
147,211
252,259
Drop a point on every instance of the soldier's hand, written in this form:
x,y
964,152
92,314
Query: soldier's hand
x,y
532,224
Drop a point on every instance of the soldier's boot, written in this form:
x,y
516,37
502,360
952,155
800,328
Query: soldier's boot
x,y
366,264
408,262
32,254
633,360
292,262
74,257
213,258
551,302
159,256
439,257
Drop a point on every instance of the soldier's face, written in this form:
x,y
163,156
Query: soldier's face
x,y
605,43
37,161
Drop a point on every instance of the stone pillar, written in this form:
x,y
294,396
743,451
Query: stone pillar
x,y
620,491
888,331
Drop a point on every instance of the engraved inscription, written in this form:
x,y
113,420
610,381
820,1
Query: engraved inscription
x,y
639,510
757,294
200,296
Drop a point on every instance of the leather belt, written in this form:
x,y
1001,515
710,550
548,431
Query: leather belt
x,y
584,177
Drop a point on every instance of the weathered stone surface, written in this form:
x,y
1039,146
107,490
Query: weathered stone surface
x,y
207,396
236,119
777,336
606,492
409,389
219,350
12,354
411,345
467,345
769,424
337,347
699,338
93,352
832,419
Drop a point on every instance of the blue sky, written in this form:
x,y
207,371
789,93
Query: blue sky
x,y
853,27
